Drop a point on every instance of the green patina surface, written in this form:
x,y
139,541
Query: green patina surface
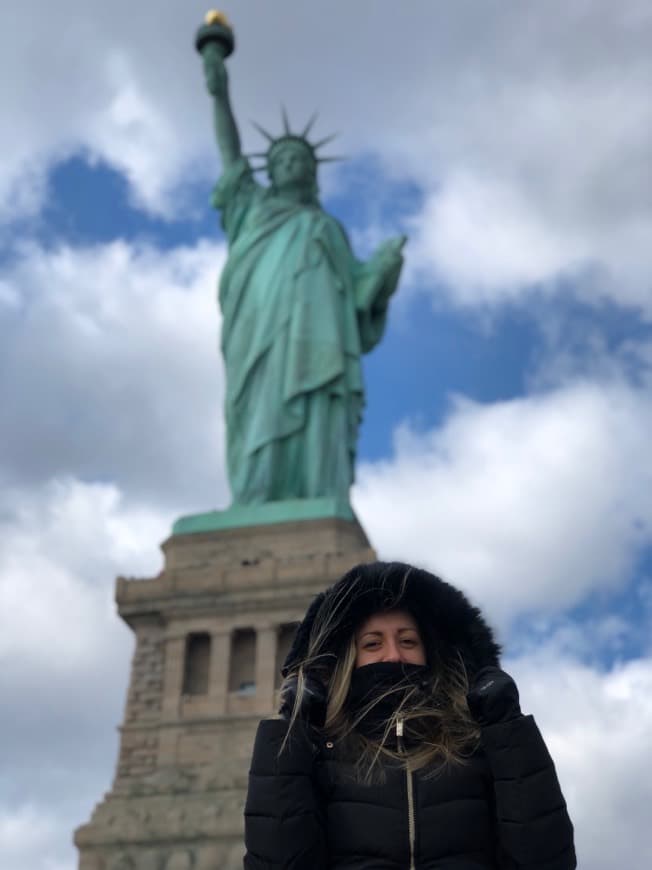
x,y
298,311
239,516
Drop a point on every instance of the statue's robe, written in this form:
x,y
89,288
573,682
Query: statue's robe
x,y
298,311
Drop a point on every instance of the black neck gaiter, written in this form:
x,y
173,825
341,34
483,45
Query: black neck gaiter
x,y
379,690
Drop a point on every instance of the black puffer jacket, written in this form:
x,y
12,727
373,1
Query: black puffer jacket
x,y
502,810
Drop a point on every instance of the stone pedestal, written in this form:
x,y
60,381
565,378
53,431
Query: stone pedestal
x,y
211,631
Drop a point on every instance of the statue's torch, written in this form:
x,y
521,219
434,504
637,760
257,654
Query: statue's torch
x,y
215,36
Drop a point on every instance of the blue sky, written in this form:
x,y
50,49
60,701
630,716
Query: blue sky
x,y
505,443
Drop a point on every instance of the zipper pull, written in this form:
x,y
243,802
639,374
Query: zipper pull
x,y
399,735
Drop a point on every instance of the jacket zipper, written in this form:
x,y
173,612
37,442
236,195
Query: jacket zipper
x,y
410,792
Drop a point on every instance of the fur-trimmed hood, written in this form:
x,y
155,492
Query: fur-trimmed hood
x,y
450,625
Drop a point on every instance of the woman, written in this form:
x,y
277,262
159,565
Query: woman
x,y
400,742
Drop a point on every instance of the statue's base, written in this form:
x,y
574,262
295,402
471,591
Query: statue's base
x,y
192,709
272,512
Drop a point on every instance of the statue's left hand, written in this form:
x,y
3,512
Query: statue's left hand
x,y
390,250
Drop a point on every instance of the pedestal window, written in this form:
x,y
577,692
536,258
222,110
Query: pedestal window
x,y
197,660
242,672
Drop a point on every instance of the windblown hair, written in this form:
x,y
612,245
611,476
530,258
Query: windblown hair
x,y
437,725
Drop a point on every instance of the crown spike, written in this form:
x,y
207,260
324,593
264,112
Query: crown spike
x,y
263,132
331,159
325,141
309,125
286,122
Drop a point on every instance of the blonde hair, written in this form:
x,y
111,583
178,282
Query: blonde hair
x,y
438,726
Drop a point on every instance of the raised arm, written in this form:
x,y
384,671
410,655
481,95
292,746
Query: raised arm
x,y
534,830
226,130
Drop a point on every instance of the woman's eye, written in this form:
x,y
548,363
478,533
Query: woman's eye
x,y
371,644
409,641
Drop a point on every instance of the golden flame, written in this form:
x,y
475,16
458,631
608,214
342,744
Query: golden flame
x,y
215,17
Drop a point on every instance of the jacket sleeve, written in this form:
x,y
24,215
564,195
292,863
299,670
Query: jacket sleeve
x,y
534,829
283,819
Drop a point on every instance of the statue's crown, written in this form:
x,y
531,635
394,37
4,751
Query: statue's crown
x,y
291,138
287,137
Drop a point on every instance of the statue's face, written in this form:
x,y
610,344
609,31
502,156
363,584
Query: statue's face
x,y
292,166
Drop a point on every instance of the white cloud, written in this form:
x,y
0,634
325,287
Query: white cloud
x,y
597,727
26,823
107,86
111,370
528,504
485,240
60,550
64,655
136,135
30,837
527,127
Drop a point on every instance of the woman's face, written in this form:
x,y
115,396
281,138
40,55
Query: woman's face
x,y
389,637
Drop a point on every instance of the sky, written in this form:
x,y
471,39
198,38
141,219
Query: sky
x,y
506,439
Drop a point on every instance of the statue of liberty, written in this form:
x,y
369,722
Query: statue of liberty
x,y
298,310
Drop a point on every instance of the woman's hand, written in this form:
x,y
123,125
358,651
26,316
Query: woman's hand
x,y
493,697
313,701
